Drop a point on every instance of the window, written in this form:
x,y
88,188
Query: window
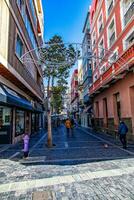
x,y
93,39
100,24
113,57
25,15
128,10
21,5
19,47
129,39
5,117
30,30
111,33
110,4
118,105
101,49
95,77
20,122
33,12
102,69
5,124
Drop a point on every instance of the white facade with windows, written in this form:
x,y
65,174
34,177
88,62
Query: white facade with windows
x,y
100,23
127,12
129,39
109,6
111,32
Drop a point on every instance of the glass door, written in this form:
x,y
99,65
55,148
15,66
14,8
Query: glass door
x,y
33,123
5,124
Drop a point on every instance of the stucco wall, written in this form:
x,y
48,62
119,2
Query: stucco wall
x,y
125,88
122,87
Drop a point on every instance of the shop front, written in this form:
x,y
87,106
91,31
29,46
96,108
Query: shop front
x,y
15,114
37,118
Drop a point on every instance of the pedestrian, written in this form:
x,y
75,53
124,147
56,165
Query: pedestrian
x,y
26,144
122,131
68,125
72,123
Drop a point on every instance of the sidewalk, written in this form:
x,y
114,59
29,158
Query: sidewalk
x,y
14,151
111,138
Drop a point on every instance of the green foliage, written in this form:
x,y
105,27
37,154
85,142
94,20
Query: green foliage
x,y
57,58
57,97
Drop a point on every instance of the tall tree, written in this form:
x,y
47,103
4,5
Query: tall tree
x,y
57,58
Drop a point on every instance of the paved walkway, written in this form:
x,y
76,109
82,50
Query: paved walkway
x,y
78,167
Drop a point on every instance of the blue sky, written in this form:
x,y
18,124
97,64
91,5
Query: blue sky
x,y
65,18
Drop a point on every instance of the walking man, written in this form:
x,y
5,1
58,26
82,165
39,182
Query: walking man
x,y
122,130
68,126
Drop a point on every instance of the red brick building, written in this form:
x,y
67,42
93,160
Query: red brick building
x,y
112,35
74,92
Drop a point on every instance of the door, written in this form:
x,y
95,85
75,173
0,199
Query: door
x,y
5,124
33,123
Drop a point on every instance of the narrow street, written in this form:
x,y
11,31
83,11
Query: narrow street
x,y
79,166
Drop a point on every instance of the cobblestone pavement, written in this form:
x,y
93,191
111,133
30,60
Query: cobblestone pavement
x,y
78,167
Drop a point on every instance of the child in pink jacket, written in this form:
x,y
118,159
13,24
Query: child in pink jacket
x,y
26,145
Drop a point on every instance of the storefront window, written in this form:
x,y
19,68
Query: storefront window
x,y
27,122
20,122
5,124
5,116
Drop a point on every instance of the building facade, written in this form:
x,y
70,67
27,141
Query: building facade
x,y
80,89
87,72
112,34
21,86
74,94
67,103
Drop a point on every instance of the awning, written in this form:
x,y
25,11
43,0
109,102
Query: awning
x,y
10,97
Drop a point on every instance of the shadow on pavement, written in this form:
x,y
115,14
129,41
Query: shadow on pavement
x,y
80,147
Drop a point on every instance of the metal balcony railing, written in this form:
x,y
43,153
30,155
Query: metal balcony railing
x,y
119,68
128,15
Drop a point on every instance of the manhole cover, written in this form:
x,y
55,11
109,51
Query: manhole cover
x,y
44,195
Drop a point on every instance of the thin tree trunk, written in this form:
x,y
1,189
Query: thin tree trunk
x,y
49,138
52,94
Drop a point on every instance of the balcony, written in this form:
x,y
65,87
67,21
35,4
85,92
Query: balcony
x,y
115,71
129,14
